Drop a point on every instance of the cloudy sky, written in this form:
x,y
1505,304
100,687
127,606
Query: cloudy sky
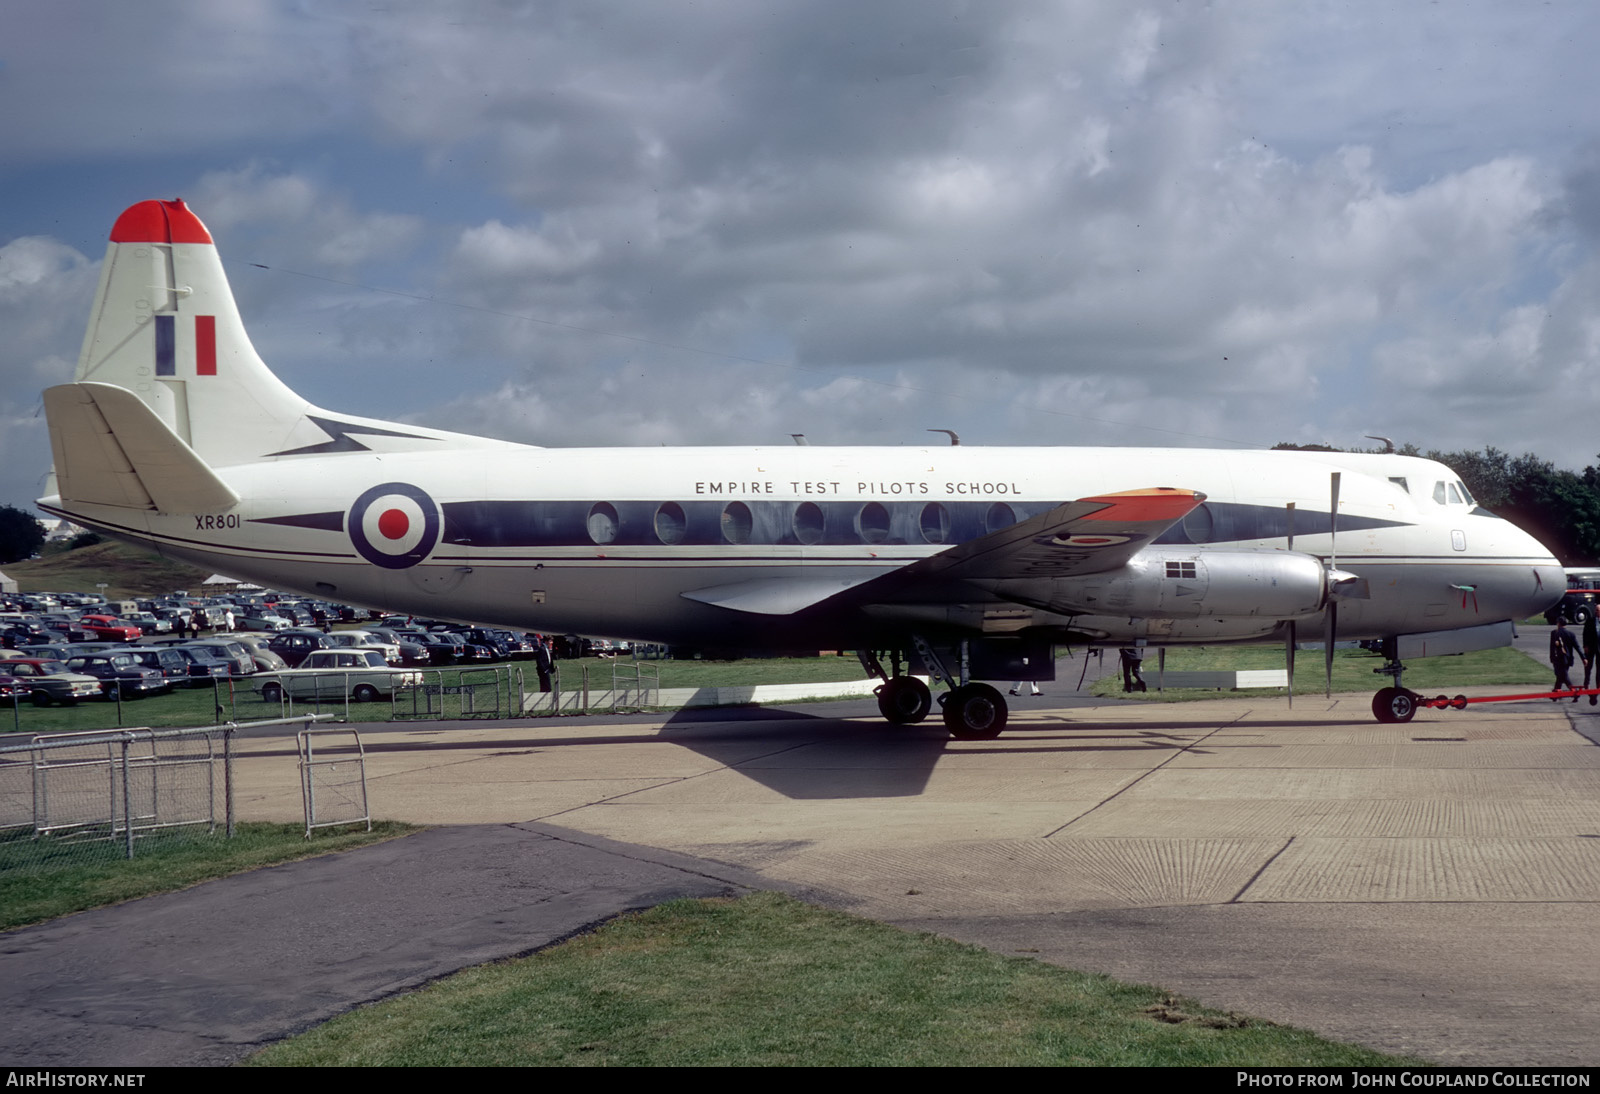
x,y
725,221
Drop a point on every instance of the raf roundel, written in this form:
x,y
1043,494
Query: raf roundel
x,y
394,525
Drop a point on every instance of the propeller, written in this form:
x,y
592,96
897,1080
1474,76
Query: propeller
x,y
1341,586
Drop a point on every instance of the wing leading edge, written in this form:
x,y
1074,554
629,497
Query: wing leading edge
x,y
1089,536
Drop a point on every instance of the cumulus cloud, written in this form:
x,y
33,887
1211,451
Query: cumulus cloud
x,y
1086,222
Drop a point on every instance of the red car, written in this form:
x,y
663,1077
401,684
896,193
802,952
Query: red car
x,y
107,628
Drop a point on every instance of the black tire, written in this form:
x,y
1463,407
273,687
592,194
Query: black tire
x,y
1581,613
1394,705
975,712
272,693
364,693
40,699
904,701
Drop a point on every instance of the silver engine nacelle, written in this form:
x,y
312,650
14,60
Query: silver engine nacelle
x,y
1186,582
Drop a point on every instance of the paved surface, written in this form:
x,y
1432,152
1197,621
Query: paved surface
x,y
1427,888
208,975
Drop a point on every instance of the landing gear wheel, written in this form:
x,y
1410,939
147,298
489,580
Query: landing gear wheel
x,y
974,712
1394,705
904,700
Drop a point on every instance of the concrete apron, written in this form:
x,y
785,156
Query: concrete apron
x,y
1426,888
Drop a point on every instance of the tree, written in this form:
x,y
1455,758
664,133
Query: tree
x,y
21,534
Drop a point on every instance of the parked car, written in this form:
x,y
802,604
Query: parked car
x,y
13,690
53,682
205,663
363,675
295,646
106,628
121,672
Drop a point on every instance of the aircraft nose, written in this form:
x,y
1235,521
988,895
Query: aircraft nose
x,y
1549,583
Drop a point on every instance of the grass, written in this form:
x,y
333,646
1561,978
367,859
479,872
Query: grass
x,y
41,880
1352,671
126,570
767,980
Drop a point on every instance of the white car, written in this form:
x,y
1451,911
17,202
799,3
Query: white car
x,y
366,640
362,675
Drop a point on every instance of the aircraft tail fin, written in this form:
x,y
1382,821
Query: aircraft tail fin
x,y
111,448
165,327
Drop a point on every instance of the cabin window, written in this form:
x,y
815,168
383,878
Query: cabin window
x,y
670,523
603,522
737,523
872,523
808,523
999,516
935,523
1198,524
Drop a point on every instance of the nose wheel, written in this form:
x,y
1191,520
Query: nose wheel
x,y
1394,705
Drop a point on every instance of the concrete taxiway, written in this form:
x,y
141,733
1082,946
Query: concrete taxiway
x,y
1428,888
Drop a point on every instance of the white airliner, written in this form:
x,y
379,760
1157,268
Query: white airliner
x,y
969,563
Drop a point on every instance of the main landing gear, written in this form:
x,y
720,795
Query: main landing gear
x,y
902,700
971,711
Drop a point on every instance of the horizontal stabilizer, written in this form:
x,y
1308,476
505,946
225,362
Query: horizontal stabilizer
x,y
110,448
777,596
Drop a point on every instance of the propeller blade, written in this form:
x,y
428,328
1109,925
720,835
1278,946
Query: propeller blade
x,y
1288,653
1333,522
1290,507
1330,628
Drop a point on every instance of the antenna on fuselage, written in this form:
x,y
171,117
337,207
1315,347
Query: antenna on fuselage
x,y
799,438
953,438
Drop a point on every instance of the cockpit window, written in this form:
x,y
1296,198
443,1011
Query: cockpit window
x,y
1400,481
1455,495
1438,492
1467,494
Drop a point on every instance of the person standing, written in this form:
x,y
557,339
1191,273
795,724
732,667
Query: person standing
x,y
1132,659
542,663
1563,652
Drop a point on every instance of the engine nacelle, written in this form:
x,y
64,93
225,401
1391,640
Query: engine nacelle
x,y
1179,582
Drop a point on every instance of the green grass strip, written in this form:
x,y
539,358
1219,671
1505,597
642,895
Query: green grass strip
x,y
767,980
42,879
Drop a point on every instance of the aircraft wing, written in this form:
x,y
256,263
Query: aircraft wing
x,y
1088,536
